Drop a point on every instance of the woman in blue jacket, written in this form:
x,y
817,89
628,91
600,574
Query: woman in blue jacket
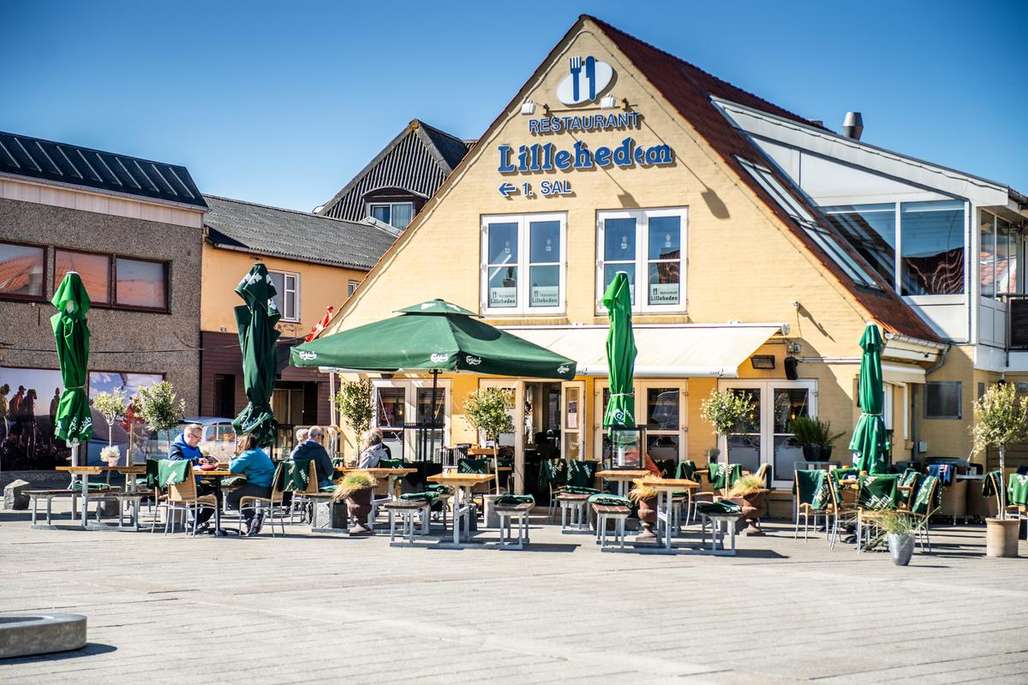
x,y
256,465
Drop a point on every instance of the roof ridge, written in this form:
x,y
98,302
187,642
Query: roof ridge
x,y
608,27
425,124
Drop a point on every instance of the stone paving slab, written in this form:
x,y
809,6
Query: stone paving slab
x,y
313,608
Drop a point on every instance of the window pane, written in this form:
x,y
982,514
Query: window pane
x,y
618,239
788,457
279,281
380,212
545,286
987,256
662,447
21,270
789,405
425,403
745,450
662,408
751,423
663,280
871,229
402,214
503,286
665,237
609,270
503,243
933,248
93,268
390,406
544,241
141,284
1006,258
942,400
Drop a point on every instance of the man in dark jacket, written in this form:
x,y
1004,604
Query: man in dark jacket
x,y
311,450
187,447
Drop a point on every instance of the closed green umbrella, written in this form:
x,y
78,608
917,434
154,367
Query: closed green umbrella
x,y
256,321
73,422
868,443
620,361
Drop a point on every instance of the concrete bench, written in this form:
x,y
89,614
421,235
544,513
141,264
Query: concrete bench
x,y
41,634
518,513
605,514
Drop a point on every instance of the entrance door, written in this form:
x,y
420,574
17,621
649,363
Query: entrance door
x,y
516,439
572,421
766,437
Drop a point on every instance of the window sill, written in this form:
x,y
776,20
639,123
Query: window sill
x,y
28,299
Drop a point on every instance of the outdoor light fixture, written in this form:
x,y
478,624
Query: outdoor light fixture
x,y
763,361
528,107
608,102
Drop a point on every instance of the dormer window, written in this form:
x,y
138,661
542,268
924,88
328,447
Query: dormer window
x,y
395,214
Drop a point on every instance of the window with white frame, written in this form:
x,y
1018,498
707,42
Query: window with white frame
x,y
396,214
648,245
287,297
403,412
523,264
999,257
351,287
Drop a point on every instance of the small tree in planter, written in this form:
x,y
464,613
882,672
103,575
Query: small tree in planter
x,y
1000,420
112,406
723,410
354,402
159,407
488,411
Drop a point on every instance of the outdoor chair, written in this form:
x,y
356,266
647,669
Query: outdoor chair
x,y
843,512
514,509
610,509
908,487
582,474
812,499
182,493
271,504
925,503
876,494
723,476
552,476
305,489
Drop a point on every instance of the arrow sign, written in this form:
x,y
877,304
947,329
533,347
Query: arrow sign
x,y
507,189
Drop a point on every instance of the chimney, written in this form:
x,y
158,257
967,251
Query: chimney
x,y
853,125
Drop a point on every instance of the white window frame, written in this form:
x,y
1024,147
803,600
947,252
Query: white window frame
x,y
523,220
639,388
390,205
351,288
286,275
410,387
642,260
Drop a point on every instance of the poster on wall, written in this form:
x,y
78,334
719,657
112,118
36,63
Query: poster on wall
x,y
129,384
28,405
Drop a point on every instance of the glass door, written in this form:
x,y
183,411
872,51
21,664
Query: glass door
x,y
744,445
661,406
572,423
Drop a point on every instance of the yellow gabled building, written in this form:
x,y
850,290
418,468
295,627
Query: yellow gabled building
x,y
617,156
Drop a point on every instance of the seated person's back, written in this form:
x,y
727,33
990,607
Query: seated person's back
x,y
311,450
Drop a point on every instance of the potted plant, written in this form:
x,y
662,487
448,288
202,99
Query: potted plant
x,y
645,498
724,410
899,534
750,493
487,411
354,402
814,436
357,489
112,406
159,407
1000,420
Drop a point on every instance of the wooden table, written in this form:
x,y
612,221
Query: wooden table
x,y
623,477
665,488
216,475
86,471
461,483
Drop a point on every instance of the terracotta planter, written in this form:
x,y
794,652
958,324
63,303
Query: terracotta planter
x,y
1001,537
753,506
358,506
647,517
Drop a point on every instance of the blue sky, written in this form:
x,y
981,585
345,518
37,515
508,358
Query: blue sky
x,y
282,103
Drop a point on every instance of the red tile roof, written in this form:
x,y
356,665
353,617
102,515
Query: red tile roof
x,y
689,89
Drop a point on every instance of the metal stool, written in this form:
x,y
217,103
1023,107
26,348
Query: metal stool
x,y
613,514
406,511
574,513
520,513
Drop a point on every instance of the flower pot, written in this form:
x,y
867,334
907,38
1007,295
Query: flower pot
x,y
1001,537
753,505
817,452
647,517
901,547
358,506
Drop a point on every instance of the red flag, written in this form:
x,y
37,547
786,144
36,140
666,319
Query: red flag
x,y
320,326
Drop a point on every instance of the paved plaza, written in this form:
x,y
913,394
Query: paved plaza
x,y
331,609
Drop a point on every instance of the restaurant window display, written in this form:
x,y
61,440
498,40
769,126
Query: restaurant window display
x,y
28,406
22,270
523,265
647,245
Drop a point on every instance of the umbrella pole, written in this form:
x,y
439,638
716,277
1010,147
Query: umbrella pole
x,y
431,411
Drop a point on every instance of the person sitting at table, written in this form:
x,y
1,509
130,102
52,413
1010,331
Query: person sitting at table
x,y
311,450
254,463
301,437
187,447
373,450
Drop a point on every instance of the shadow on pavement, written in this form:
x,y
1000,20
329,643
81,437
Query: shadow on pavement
x,y
91,649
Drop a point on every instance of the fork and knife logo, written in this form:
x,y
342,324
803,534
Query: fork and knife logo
x,y
578,87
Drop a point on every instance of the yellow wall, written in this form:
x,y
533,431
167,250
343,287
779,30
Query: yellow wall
x,y
320,286
743,264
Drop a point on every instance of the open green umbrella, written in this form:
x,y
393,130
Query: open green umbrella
x,y
73,422
868,443
620,360
436,336
257,337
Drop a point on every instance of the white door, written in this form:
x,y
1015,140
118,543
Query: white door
x,y
572,421
517,413
766,437
659,404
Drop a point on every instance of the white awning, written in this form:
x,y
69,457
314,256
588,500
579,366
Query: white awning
x,y
902,373
664,351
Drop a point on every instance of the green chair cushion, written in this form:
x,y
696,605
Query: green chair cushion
x,y
608,500
390,463
427,496
93,487
552,472
171,472
878,491
922,501
576,490
297,477
513,500
719,507
1017,489
474,465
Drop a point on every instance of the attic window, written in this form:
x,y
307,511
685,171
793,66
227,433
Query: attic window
x,y
825,240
